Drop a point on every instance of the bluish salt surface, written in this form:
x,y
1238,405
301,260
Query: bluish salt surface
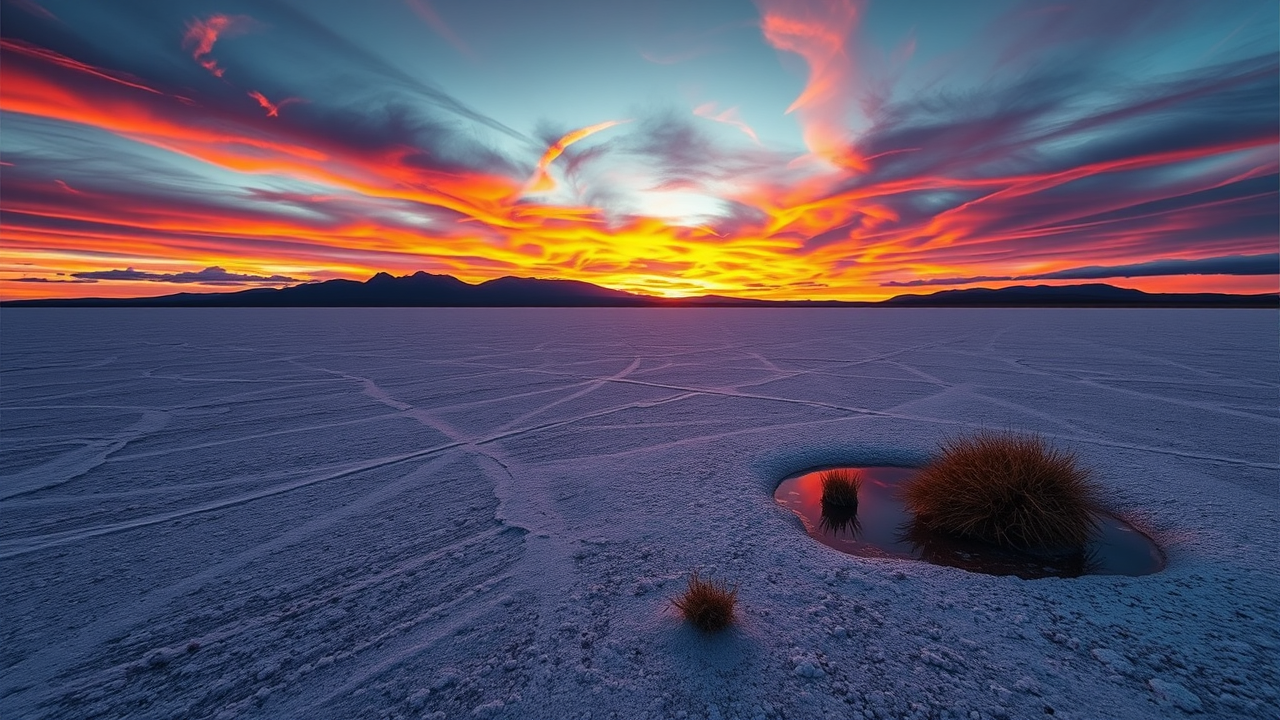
x,y
439,513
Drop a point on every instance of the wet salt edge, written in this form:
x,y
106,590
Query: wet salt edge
x,y
1117,549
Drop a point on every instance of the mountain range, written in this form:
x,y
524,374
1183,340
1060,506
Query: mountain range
x,y
423,289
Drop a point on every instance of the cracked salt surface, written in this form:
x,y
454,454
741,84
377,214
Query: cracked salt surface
x,y
444,513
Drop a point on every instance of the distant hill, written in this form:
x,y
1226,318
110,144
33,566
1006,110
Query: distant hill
x,y
1091,295
423,289
420,289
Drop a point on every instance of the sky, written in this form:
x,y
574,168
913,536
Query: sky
x,y
780,149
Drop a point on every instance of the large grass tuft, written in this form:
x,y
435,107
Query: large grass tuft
x,y
707,605
1007,489
840,487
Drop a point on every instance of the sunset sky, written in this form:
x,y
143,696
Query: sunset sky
x,y
778,149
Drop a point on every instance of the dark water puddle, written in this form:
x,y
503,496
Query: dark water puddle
x,y
882,528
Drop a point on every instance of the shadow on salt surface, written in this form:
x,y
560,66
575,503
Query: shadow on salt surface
x,y
699,651
881,527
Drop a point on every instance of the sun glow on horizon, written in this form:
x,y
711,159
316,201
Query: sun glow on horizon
x,y
124,179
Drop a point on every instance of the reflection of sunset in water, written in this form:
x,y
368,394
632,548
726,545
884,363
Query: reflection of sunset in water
x,y
882,528
880,515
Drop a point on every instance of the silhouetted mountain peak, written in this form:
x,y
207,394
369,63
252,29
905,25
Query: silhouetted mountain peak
x,y
423,289
576,287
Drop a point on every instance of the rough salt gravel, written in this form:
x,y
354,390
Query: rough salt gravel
x,y
446,513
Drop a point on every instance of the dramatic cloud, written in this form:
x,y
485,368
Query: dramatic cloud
x,y
541,180
820,32
1053,143
207,276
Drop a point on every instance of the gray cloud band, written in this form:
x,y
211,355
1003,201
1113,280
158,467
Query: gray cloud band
x,y
1228,265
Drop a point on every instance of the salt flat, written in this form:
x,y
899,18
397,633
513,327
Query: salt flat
x,y
440,513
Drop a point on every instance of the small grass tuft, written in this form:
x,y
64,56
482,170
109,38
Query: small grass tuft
x,y
1006,489
840,487
707,605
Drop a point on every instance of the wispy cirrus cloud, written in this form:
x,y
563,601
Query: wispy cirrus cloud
x,y
34,8
427,12
272,108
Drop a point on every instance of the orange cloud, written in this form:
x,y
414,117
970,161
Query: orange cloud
x,y
541,180
818,31
843,221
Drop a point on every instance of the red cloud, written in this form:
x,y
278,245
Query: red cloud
x,y
40,53
203,34
273,109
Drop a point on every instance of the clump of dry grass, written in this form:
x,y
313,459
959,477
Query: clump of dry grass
x,y
707,605
1008,489
840,487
